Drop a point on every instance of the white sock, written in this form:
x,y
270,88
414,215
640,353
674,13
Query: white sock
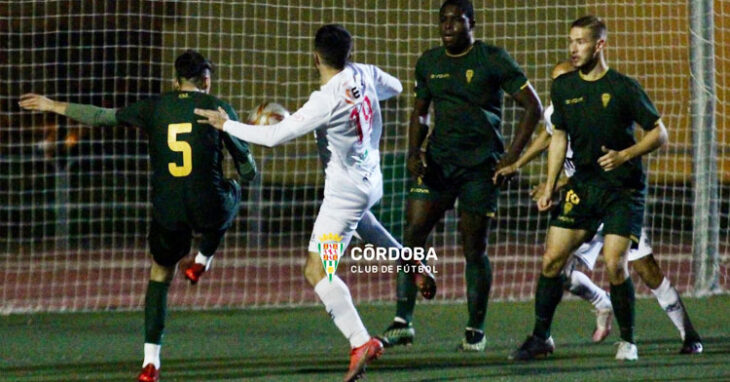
x,y
669,301
200,258
583,287
152,355
338,302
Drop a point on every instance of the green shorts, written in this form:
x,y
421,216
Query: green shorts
x,y
585,207
446,183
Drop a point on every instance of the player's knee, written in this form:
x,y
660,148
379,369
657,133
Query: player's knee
x,y
313,271
551,265
616,271
160,273
648,271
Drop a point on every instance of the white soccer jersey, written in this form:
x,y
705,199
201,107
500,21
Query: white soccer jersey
x,y
347,109
568,165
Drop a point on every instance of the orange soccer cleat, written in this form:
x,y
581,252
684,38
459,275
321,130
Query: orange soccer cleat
x,y
361,356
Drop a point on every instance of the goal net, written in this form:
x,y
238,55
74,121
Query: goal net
x,y
74,200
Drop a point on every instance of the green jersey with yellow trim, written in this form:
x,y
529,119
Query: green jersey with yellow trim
x,y
600,113
188,186
467,92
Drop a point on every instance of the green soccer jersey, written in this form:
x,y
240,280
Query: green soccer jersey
x,y
188,186
467,92
602,113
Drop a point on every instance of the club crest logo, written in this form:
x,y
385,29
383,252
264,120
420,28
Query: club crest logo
x,y
605,98
330,252
469,76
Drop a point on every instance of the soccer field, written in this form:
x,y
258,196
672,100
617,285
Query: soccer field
x,y
300,344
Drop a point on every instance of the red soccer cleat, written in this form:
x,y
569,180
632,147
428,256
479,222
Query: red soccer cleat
x,y
361,356
149,374
425,280
193,272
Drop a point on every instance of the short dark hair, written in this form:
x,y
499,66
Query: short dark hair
x,y
192,66
333,43
466,7
595,24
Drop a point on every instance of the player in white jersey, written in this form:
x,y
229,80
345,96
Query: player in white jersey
x,y
347,107
641,258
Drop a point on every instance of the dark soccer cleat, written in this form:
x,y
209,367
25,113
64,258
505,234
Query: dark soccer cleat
x,y
693,346
361,356
398,333
149,374
532,348
425,280
474,341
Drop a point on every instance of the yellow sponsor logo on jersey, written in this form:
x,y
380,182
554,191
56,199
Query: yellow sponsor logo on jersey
x,y
183,95
469,76
573,101
605,98
440,75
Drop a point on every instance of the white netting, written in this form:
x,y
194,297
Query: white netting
x,y
74,201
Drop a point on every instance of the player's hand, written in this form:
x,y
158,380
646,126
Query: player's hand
x,y
30,101
215,118
545,202
612,159
504,174
417,164
536,191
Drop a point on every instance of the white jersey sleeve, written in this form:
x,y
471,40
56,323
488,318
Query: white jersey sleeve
x,y
314,114
568,165
386,86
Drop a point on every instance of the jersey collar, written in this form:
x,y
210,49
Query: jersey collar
x,y
462,54
585,78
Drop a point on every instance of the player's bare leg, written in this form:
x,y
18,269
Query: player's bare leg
x,y
478,272
155,312
338,302
421,216
560,244
615,249
670,301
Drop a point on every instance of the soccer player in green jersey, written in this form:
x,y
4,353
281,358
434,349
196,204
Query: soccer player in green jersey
x,y
189,192
596,108
641,259
466,80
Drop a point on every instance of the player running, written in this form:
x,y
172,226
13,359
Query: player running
x,y
347,106
189,192
641,258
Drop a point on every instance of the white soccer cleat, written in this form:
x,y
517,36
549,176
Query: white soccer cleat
x,y
604,319
627,351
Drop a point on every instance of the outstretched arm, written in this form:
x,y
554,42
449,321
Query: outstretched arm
x,y
314,114
86,114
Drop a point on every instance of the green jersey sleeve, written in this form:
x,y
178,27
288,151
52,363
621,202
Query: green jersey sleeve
x,y
511,76
642,109
421,87
557,118
137,114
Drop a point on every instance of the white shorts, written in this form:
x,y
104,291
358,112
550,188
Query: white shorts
x,y
344,204
588,252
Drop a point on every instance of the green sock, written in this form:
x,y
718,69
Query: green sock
x,y
622,299
548,295
406,294
478,275
155,309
